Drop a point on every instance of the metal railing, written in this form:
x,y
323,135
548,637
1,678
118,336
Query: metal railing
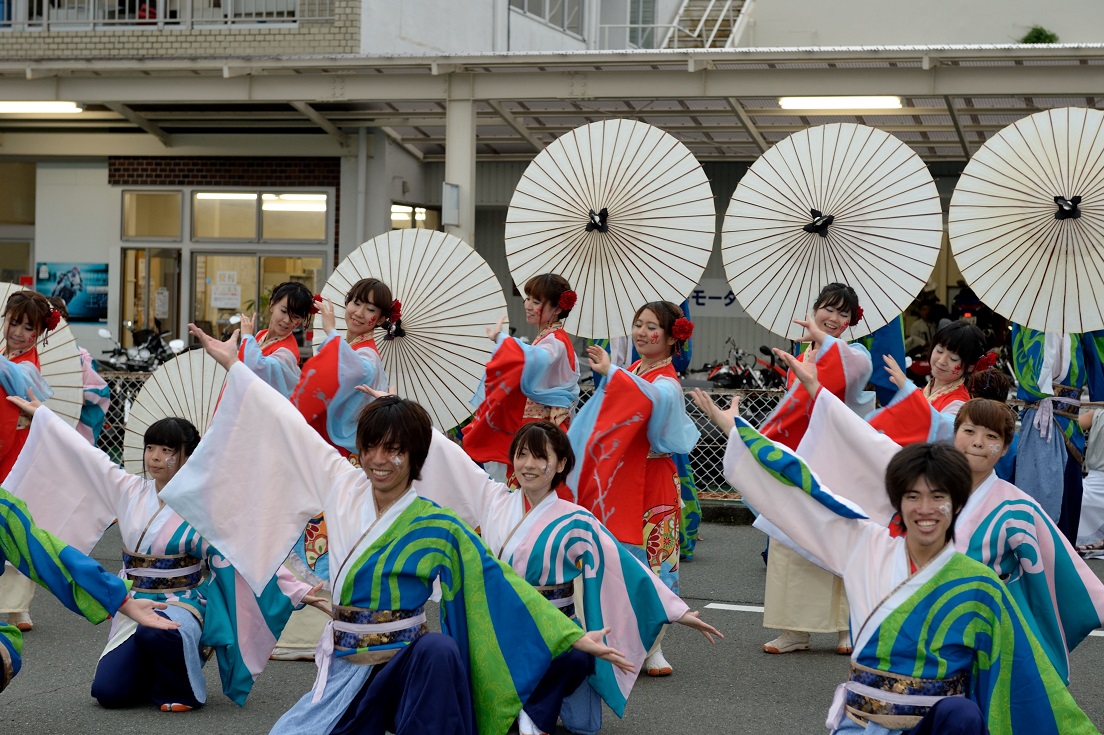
x,y
83,15
706,460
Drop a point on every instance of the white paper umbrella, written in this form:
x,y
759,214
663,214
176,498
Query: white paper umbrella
x,y
1027,221
620,209
839,203
187,386
449,297
60,365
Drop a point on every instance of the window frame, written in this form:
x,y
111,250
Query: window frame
x,y
150,190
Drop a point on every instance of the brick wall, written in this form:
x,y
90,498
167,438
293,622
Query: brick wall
x,y
338,36
217,171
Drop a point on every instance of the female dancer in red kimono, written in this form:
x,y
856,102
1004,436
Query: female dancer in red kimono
x,y
538,382
800,597
28,316
274,353
624,438
326,394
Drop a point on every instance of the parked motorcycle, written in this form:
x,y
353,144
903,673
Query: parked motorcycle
x,y
150,350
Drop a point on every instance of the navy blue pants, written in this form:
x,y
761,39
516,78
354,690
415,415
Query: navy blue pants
x,y
423,689
564,675
1070,517
952,716
148,667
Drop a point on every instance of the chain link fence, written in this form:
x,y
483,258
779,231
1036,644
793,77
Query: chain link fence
x,y
124,388
706,460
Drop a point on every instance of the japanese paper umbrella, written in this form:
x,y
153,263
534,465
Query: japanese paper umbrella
x,y
449,297
60,364
620,209
1027,221
838,203
187,386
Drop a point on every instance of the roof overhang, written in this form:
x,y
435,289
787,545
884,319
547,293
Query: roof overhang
x,y
722,103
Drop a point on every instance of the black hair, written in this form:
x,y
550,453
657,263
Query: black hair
x,y
990,383
178,434
398,423
540,436
666,314
964,339
944,467
839,296
548,288
300,300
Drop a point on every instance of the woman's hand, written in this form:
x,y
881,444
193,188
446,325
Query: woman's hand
x,y
370,391
725,419
813,333
247,323
803,370
493,332
599,360
594,644
896,374
143,612
329,319
225,353
313,599
27,407
693,620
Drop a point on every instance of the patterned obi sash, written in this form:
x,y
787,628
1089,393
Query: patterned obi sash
x,y
893,701
560,595
384,631
162,573
659,455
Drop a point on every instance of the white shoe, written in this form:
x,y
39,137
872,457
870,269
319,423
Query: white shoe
x,y
657,665
526,726
21,620
292,654
843,644
790,640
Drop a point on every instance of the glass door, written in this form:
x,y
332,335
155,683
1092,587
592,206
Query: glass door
x,y
151,292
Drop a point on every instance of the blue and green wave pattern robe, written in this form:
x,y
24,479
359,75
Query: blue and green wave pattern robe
x,y
78,581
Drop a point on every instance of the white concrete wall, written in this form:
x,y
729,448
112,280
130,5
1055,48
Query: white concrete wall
x,y
450,27
906,22
77,219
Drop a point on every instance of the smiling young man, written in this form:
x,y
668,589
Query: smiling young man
x,y
1000,526
379,667
940,645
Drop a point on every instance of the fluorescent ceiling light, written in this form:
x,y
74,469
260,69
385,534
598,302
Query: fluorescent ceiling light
x,y
294,197
840,103
294,206
10,107
400,215
226,195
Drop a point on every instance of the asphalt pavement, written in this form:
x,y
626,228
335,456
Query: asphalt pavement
x,y
732,687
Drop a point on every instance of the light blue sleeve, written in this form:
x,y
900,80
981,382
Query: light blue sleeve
x,y
354,367
271,369
547,377
670,429
17,378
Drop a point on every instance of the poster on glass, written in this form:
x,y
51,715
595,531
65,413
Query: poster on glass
x,y
82,286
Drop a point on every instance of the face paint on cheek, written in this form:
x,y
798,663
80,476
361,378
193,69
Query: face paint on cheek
x,y
170,462
945,509
956,369
396,460
546,469
653,338
995,448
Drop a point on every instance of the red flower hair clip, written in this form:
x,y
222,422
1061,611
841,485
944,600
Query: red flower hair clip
x,y
683,329
53,319
396,310
567,300
988,360
316,304
857,316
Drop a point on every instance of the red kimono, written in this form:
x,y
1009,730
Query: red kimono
x,y
912,417
14,425
505,407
